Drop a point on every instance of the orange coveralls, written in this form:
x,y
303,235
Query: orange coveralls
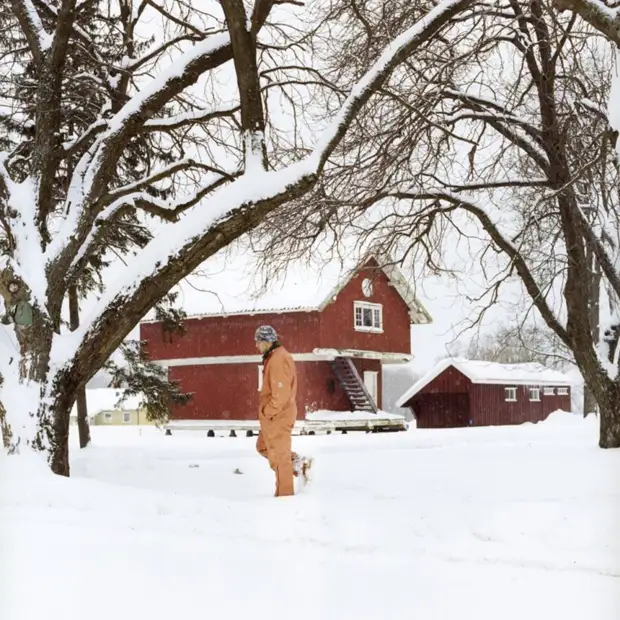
x,y
277,413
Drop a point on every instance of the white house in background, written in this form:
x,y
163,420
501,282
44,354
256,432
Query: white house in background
x,y
102,409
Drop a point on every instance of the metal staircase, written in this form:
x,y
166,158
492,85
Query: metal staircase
x,y
353,385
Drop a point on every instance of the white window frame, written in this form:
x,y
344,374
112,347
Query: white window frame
x,y
534,391
375,308
549,391
126,417
260,377
562,391
107,416
507,394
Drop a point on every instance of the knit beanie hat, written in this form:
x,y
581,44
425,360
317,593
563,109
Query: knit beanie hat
x,y
266,333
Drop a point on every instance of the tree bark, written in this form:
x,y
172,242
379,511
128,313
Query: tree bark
x,y
589,400
82,407
609,406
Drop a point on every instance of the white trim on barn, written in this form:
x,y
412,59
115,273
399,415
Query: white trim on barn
x,y
491,373
318,355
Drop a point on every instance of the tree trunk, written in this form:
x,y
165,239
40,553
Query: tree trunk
x,y
589,401
82,418
610,418
82,408
594,293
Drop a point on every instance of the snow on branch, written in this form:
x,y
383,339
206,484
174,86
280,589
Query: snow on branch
x,y
597,13
164,173
38,39
188,118
231,209
97,165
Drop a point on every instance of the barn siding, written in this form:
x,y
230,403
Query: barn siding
x,y
233,335
230,391
450,381
337,320
489,406
441,410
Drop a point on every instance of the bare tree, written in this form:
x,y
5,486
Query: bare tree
x,y
604,15
506,144
107,129
519,344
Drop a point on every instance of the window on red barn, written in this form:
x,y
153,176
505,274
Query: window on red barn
x,y
511,394
368,317
534,394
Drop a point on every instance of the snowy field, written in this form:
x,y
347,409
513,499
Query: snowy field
x,y
482,524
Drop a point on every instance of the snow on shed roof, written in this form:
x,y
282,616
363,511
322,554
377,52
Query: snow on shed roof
x,y
491,373
105,399
231,284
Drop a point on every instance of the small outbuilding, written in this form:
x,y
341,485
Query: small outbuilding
x,y
457,393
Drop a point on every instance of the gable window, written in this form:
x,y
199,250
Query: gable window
x,y
126,417
562,391
107,416
548,391
534,394
511,394
368,317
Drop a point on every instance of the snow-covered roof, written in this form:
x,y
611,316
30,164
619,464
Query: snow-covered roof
x,y
229,285
104,399
491,373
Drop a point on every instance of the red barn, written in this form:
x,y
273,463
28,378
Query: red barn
x,y
339,329
460,393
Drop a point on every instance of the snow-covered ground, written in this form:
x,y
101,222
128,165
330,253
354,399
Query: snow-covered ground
x,y
481,524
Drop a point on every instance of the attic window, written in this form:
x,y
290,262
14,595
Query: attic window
x,y
368,317
367,287
511,394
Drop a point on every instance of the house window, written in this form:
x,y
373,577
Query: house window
x,y
368,317
562,391
107,416
260,377
511,394
548,391
126,417
534,394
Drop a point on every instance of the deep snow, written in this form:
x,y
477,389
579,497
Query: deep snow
x,y
491,523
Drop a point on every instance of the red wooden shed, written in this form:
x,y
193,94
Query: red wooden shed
x,y
458,393
339,326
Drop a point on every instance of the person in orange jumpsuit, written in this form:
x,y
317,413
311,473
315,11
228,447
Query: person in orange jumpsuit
x,y
277,412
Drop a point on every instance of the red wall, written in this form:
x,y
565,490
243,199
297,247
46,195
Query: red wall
x,y
233,335
230,391
300,332
446,410
450,381
489,406
337,321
